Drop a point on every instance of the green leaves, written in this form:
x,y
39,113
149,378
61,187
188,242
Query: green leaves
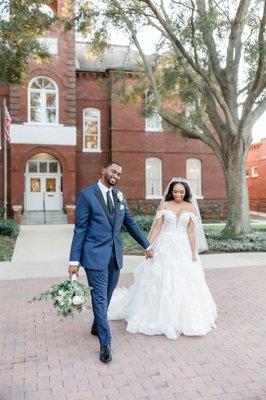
x,y
8,227
68,297
21,24
255,241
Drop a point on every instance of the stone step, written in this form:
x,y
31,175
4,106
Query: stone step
x,y
43,218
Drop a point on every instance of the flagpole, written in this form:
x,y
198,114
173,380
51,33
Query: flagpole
x,y
5,168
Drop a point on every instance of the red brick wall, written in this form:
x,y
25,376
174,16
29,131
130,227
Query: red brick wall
x,y
257,185
61,69
131,145
90,93
4,94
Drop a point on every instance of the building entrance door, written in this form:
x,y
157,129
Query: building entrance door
x,y
43,184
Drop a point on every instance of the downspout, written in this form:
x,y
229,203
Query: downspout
x,y
109,80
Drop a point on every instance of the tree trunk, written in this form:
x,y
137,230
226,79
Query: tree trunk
x,y
238,220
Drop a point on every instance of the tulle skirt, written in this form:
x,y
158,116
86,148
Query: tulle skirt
x,y
169,296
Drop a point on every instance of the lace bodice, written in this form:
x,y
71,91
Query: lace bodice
x,y
172,222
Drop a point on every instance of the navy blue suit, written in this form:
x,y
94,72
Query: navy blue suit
x,y
98,247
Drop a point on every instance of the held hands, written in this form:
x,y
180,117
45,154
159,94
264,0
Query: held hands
x,y
149,253
194,258
72,269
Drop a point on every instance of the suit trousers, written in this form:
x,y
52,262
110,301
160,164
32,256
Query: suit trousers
x,y
103,283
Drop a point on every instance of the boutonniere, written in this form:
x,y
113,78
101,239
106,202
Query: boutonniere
x,y
120,197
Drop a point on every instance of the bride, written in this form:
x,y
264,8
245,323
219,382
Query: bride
x,y
170,295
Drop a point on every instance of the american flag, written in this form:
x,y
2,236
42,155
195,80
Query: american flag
x,y
7,123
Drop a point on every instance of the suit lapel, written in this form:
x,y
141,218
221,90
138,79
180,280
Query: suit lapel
x,y
116,203
100,198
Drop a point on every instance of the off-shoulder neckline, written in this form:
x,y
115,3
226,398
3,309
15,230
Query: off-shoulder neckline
x,y
178,216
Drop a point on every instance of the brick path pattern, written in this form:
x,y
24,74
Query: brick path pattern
x,y
44,357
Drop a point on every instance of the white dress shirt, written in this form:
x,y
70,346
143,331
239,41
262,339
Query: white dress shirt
x,y
104,191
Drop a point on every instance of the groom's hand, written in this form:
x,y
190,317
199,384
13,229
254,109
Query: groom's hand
x,y
72,269
149,253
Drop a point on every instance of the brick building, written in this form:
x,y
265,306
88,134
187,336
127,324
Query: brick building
x,y
256,176
66,126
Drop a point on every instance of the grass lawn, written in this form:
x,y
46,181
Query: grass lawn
x,y
7,244
219,228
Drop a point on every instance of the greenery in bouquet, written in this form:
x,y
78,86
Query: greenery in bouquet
x,y
67,297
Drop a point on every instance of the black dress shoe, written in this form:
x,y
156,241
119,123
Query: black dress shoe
x,y
105,353
94,332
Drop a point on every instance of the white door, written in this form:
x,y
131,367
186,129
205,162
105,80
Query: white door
x,y
43,185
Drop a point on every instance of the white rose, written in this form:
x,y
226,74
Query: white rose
x,y
120,196
76,300
60,292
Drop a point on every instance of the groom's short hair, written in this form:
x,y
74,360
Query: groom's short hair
x,y
111,163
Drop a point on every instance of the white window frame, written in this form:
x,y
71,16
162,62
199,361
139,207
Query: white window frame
x,y
159,195
98,149
149,127
253,173
43,102
198,195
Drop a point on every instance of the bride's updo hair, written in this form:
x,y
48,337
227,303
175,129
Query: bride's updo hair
x,y
169,196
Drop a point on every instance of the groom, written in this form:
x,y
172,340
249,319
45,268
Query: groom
x,y
100,213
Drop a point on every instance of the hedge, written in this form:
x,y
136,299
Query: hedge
x,y
9,228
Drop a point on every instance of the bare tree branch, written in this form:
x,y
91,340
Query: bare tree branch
x,y
234,43
190,66
193,30
209,40
258,111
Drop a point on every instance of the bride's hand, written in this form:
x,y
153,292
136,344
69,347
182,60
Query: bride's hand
x,y
194,258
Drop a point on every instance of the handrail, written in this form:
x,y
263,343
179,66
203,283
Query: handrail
x,y
44,209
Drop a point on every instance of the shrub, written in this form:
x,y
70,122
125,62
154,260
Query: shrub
x,y
255,241
2,211
9,227
154,207
138,208
218,210
202,210
144,221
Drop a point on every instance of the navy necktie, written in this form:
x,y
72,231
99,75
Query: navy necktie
x,y
110,205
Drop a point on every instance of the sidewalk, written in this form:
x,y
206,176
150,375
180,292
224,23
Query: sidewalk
x,y
44,357
42,251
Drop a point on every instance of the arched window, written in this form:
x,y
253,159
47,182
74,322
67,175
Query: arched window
x,y
193,174
91,129
153,178
43,101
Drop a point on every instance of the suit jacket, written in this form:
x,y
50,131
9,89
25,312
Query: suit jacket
x,y
96,233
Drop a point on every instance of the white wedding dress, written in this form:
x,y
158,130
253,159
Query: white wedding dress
x,y
170,295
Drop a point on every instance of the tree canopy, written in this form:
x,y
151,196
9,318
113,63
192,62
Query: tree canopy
x,y
22,23
211,55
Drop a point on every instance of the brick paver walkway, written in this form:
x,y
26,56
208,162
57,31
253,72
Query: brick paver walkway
x,y
43,357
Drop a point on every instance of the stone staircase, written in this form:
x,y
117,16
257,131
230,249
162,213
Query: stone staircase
x,y
43,218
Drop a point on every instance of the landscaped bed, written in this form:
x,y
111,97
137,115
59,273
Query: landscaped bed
x,y
8,234
255,241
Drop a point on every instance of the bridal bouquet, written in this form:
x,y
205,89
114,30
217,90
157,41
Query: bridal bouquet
x,y
67,297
